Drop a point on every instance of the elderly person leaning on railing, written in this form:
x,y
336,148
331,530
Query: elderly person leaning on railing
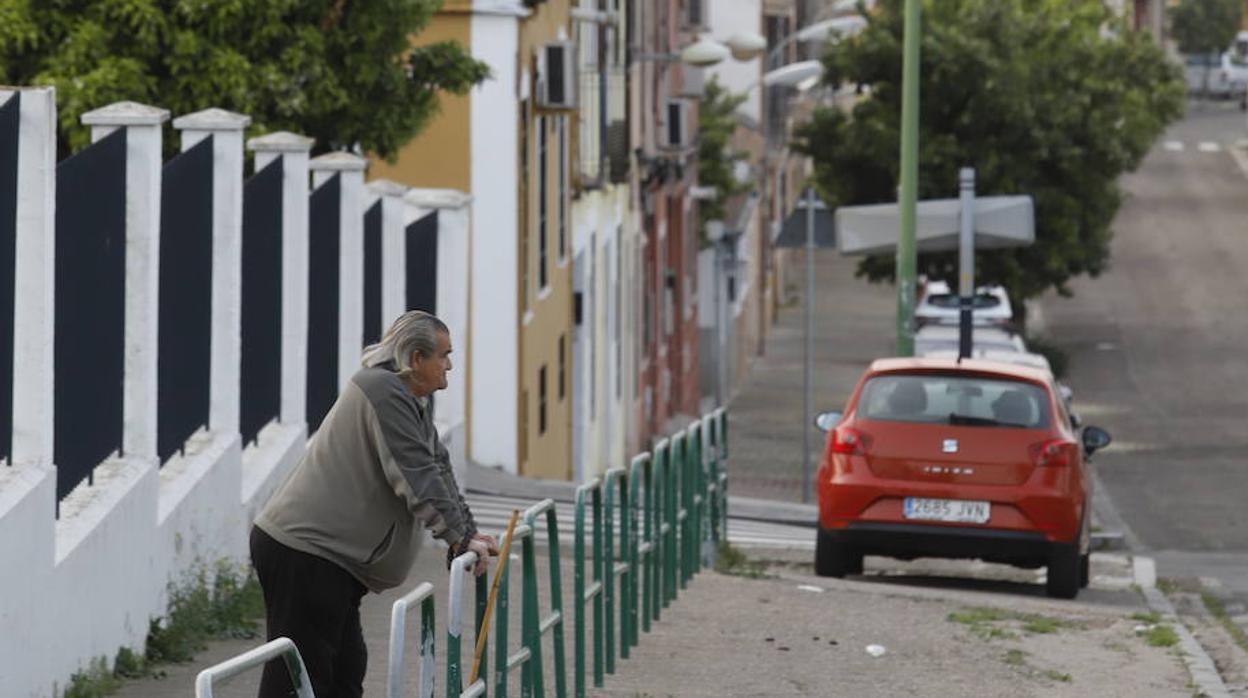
x,y
348,519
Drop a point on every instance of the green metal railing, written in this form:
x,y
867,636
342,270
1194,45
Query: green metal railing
x,y
653,527
533,624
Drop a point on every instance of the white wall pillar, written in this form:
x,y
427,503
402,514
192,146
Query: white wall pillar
x,y
350,254
293,150
393,249
34,277
226,129
143,180
454,209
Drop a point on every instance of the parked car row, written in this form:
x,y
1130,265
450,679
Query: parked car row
x,y
1220,75
939,456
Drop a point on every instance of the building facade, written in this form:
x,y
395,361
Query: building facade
x,y
481,143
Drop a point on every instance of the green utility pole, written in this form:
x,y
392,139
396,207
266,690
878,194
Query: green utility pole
x,y
906,255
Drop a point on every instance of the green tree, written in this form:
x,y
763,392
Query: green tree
x,y
341,71
1033,94
717,120
1205,26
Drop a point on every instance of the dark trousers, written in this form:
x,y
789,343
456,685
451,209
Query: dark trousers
x,y
316,604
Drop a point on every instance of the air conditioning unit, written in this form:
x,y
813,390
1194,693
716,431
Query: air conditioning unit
x,y
676,134
556,85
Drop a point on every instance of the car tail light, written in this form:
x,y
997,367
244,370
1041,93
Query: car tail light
x,y
850,441
1053,453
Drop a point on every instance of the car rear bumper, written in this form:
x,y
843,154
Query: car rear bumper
x,y
919,540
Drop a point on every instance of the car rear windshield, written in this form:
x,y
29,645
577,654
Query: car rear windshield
x,y
952,300
955,399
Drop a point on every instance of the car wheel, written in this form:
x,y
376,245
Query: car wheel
x,y
1064,578
1085,574
835,559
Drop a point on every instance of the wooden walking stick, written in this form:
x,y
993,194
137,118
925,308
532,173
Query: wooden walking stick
x,y
482,632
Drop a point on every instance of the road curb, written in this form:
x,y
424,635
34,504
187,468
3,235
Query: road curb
x,y
1199,665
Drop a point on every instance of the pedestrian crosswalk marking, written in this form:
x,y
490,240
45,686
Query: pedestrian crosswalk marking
x,y
492,512
1202,146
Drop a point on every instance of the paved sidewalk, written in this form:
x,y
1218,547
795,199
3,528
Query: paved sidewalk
x,y
854,324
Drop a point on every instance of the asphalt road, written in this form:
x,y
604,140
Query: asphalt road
x,y
1158,351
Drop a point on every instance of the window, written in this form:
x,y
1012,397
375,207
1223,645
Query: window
x,y
953,399
526,178
618,338
591,302
541,400
563,186
543,193
563,365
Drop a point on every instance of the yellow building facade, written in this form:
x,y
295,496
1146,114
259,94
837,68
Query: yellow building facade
x,y
508,146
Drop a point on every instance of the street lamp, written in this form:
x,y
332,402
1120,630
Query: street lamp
x,y
703,53
719,237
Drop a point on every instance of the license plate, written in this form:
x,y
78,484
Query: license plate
x,y
955,510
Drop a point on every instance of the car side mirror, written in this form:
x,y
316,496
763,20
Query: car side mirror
x,y
827,420
1094,439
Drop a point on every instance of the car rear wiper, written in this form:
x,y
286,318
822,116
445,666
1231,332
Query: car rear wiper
x,y
955,418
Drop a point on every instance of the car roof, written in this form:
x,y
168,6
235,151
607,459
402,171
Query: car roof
x,y
953,364
953,331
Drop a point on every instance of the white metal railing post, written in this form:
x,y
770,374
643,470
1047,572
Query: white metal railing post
x,y
398,635
350,167
393,248
226,129
293,150
34,317
281,647
143,194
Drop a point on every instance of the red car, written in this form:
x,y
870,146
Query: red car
x,y
956,459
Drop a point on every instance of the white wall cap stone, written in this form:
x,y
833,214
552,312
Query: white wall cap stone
x,y
281,142
338,161
387,187
213,119
438,198
126,114
503,8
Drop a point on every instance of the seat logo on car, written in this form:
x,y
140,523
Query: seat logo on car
x,y
950,446
947,470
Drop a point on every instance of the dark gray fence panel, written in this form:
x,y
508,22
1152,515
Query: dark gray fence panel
x,y
372,274
261,370
9,124
422,264
183,365
323,253
90,308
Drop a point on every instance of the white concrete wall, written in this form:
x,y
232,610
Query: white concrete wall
x,y
495,325
454,209
728,17
89,582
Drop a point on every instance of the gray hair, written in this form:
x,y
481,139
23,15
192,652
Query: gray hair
x,y
413,332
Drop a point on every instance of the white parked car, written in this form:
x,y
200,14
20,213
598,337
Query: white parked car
x,y
1218,76
936,338
939,305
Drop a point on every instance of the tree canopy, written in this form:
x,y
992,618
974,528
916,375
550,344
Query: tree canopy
x,y
1052,98
1205,26
717,121
340,71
